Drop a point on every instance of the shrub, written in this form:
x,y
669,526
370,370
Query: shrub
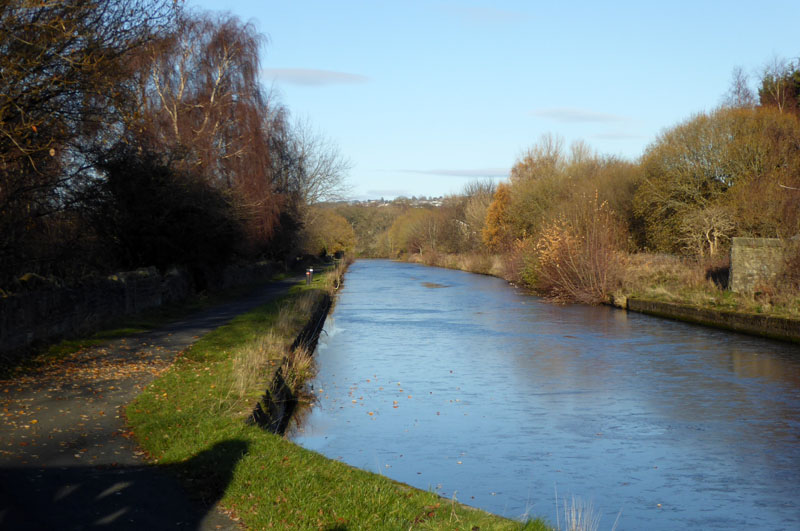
x,y
579,255
522,263
149,213
718,269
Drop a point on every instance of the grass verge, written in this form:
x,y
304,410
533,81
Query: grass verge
x,y
198,408
664,278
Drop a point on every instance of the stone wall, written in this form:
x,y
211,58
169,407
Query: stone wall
x,y
50,311
760,325
754,262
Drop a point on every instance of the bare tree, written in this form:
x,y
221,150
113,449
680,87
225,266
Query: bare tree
x,y
740,94
779,84
581,153
706,229
542,159
321,167
478,195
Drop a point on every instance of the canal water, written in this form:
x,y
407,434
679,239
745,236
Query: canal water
x,y
460,384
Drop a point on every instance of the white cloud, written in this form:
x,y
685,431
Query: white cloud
x,y
312,77
572,115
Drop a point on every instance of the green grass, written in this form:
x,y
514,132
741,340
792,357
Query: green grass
x,y
192,418
713,298
664,278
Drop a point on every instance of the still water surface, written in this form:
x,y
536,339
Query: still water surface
x,y
460,384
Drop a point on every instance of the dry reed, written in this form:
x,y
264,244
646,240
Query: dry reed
x,y
254,363
579,257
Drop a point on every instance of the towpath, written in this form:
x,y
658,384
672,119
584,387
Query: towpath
x,y
67,460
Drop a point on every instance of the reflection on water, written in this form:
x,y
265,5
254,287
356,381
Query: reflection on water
x,y
488,395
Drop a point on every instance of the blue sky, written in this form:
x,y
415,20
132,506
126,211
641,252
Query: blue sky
x,y
425,96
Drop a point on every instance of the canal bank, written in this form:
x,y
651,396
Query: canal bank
x,y
782,329
276,407
460,384
199,406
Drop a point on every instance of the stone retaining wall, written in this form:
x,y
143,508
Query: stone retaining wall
x,y
760,325
50,312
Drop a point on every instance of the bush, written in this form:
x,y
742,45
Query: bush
x,y
148,213
522,263
579,255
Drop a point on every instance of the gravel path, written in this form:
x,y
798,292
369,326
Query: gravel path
x,y
67,460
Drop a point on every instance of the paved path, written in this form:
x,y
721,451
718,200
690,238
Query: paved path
x,y
67,460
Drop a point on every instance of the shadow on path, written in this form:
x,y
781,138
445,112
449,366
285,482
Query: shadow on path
x,y
67,459
126,497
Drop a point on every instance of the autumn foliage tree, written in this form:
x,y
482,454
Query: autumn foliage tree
x,y
370,225
328,233
718,175
99,95
201,98
496,233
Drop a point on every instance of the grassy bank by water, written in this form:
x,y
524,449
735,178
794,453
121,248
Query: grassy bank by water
x,y
665,278
199,407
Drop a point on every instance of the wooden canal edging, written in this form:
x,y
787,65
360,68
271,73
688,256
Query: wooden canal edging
x,y
275,408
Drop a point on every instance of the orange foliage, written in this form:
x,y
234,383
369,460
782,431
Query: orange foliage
x,y
497,232
578,256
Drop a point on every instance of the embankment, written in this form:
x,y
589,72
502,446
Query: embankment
x,y
276,406
753,324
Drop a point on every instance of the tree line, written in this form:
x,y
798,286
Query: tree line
x,y
567,218
137,133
